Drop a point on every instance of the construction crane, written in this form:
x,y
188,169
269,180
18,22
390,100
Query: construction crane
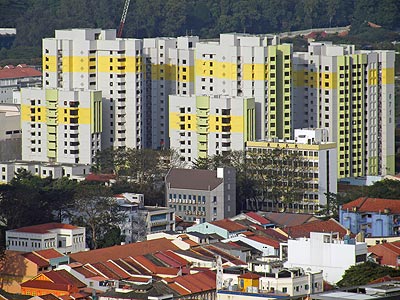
x,y
122,23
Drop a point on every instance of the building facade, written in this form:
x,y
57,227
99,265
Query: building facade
x,y
317,164
14,78
351,94
95,60
202,126
201,195
376,217
75,172
141,220
238,88
61,126
326,252
169,71
64,238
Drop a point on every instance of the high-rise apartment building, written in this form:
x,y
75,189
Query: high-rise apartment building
x,y
169,70
237,66
350,93
239,88
230,101
202,126
62,126
94,59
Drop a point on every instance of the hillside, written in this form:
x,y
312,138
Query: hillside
x,y
35,19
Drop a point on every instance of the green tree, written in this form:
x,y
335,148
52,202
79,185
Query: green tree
x,y
387,189
364,273
281,175
95,208
334,201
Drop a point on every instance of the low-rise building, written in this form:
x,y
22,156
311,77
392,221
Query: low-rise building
x,y
72,171
16,77
387,254
326,252
293,281
201,195
141,220
10,132
224,228
65,238
17,267
378,291
376,217
59,283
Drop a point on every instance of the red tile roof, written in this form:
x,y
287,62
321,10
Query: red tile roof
x,y
40,262
70,278
58,280
187,240
179,289
224,255
125,266
85,272
116,270
154,269
288,219
364,204
46,285
229,225
249,275
166,258
123,251
49,297
194,283
304,230
392,247
19,71
103,270
385,279
270,232
44,228
49,253
100,177
193,179
260,219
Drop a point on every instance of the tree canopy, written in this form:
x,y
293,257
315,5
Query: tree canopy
x,y
36,19
30,200
365,273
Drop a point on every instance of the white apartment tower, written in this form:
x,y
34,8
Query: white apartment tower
x,y
169,70
94,59
60,126
238,66
350,93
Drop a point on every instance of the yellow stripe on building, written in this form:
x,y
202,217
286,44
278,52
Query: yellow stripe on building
x,y
254,72
49,63
215,69
388,76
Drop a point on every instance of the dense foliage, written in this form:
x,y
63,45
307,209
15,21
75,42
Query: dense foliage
x,y
35,19
31,200
387,189
365,273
